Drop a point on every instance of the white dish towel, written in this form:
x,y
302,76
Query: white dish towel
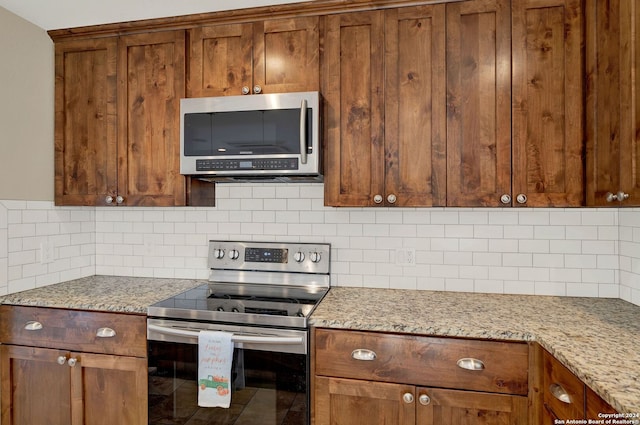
x,y
215,356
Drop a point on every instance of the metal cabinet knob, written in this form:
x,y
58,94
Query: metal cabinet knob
x,y
505,199
245,90
620,196
424,399
521,198
105,333
61,360
392,199
257,89
377,199
108,199
119,199
33,326
72,362
407,398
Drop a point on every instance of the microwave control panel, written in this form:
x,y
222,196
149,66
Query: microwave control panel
x,y
247,164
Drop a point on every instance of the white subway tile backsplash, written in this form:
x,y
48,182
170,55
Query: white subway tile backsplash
x,y
581,252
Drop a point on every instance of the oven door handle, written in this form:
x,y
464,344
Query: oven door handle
x,y
235,338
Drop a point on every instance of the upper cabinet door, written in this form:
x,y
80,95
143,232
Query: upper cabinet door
x,y
220,60
85,121
547,103
415,106
478,102
273,56
613,102
286,55
353,83
151,83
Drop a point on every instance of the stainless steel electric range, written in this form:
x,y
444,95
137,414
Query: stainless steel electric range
x,y
261,292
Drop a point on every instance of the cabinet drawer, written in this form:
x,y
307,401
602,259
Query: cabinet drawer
x,y
74,330
564,393
425,361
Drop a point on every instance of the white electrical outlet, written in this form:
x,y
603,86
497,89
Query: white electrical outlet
x,y
46,252
406,256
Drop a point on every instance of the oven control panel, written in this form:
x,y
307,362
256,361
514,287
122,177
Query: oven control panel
x,y
270,256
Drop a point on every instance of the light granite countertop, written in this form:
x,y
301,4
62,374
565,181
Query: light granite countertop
x,y
597,339
103,293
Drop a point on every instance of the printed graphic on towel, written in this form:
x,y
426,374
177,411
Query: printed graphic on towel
x,y
215,355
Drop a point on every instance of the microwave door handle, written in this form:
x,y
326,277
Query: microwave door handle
x,y
234,338
303,131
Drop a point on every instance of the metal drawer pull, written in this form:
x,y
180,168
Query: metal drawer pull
x,y
560,393
33,326
364,354
407,398
105,333
469,363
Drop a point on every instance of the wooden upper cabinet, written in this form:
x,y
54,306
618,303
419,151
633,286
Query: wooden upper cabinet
x,y
85,121
547,103
276,55
415,106
353,83
384,88
478,102
151,69
613,104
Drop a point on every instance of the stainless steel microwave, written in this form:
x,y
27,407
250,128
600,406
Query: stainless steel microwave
x,y
264,136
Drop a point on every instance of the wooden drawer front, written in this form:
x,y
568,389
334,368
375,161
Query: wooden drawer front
x,y
556,374
425,361
74,330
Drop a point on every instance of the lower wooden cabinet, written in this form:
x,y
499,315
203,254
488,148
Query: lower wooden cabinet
x,y
380,378
353,401
566,397
64,367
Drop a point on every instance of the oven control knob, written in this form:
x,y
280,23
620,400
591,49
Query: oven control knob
x,y
299,257
234,254
314,257
235,310
220,309
218,253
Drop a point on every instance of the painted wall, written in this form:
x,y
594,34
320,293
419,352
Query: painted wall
x,y
26,110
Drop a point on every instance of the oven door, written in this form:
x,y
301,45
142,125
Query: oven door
x,y
270,375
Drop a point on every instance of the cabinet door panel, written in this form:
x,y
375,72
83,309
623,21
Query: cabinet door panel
x,y
613,105
353,86
101,382
220,60
478,102
470,408
35,388
547,103
630,116
85,121
346,401
286,55
152,75
415,105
